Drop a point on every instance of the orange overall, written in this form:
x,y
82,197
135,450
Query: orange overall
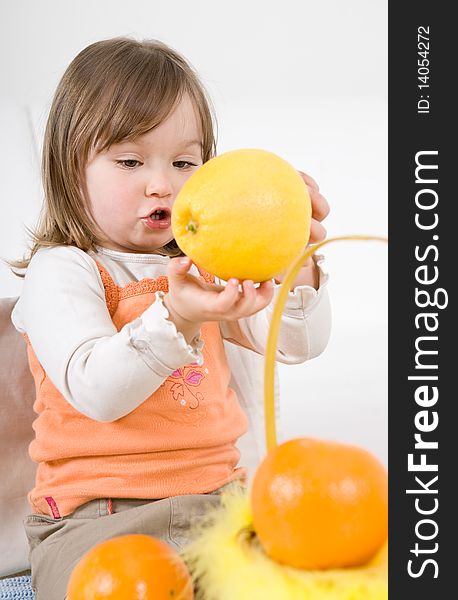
x,y
180,440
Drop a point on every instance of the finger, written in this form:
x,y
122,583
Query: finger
x,y
320,206
177,270
224,301
213,287
248,298
317,232
309,181
264,294
256,299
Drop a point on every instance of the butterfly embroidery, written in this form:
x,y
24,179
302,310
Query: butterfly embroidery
x,y
186,378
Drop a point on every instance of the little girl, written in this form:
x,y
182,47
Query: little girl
x,y
148,370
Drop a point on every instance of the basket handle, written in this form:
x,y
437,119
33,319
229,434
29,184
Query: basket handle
x,y
269,363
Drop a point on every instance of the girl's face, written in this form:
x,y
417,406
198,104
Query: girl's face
x,y
132,186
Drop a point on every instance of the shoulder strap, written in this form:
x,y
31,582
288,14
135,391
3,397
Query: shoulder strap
x,y
205,275
111,289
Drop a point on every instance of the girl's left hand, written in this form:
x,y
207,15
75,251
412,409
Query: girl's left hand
x,y
308,275
320,209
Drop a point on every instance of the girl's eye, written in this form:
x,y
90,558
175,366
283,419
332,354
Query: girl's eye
x,y
183,164
128,163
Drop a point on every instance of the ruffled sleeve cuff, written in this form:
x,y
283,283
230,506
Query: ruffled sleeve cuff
x,y
161,346
304,298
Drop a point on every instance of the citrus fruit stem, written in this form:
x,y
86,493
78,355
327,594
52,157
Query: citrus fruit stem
x,y
269,363
192,226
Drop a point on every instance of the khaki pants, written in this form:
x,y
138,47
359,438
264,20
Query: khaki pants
x,y
56,545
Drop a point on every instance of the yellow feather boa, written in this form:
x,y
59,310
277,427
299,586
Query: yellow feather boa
x,y
227,563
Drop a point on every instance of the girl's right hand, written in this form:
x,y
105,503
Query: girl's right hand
x,y
191,302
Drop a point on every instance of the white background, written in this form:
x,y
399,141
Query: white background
x,y
307,80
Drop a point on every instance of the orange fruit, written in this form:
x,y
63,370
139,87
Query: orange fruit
x,y
130,567
243,214
319,504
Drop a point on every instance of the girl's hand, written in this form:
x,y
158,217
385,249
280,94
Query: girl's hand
x,y
320,209
191,301
308,275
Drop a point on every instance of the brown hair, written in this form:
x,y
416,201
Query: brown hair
x,y
114,90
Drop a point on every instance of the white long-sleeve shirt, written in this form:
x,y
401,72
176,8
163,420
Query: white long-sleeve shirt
x,y
105,374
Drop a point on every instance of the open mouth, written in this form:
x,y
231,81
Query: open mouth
x,y
159,214
158,219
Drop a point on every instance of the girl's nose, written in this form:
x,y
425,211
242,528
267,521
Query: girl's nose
x,y
159,185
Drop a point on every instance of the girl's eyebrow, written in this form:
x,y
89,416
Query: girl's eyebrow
x,y
181,144
187,143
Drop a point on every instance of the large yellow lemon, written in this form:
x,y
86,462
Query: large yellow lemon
x,y
244,214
